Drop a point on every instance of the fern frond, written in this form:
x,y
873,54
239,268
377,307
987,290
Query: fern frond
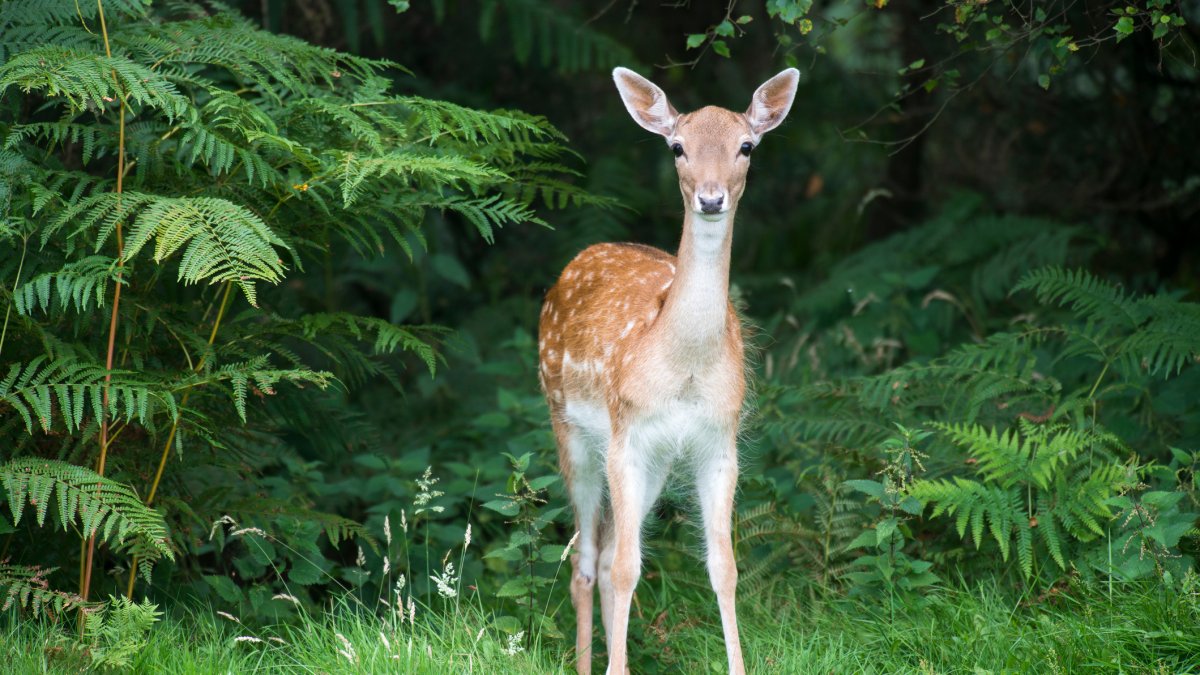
x,y
43,386
221,241
101,506
82,284
561,40
264,378
26,586
386,336
1090,298
1167,339
354,170
85,80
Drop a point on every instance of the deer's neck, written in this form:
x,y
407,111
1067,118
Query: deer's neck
x,y
695,314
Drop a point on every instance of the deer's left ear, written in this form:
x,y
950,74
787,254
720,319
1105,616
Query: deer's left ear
x,y
772,101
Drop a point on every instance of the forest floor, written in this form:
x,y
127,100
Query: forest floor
x,y
1134,629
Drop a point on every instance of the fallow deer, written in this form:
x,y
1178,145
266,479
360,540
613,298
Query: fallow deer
x,y
641,360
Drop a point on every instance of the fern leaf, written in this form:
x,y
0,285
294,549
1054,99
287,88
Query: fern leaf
x,y
40,387
101,506
1087,296
85,79
27,587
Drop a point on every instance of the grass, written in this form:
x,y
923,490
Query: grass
x,y
1140,628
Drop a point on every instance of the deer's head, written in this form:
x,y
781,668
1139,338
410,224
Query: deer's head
x,y
712,145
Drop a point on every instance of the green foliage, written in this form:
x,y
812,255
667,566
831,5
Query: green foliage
x,y
70,387
886,566
1035,482
27,587
1046,427
305,237
100,506
522,506
118,631
558,38
249,161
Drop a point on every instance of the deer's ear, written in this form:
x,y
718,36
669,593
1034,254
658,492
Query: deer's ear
x,y
646,103
772,101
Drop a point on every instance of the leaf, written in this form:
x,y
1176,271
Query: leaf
x,y
720,48
871,487
225,588
1124,27
508,624
864,539
543,482
884,531
550,553
1044,81
449,268
513,588
505,507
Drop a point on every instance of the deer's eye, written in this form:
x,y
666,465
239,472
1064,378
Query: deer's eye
x,y
746,148
677,148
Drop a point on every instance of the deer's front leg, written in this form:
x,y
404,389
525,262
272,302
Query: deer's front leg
x,y
716,482
627,481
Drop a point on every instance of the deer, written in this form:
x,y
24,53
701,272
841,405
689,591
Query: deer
x,y
641,360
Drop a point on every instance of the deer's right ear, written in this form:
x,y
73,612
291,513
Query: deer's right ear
x,y
646,103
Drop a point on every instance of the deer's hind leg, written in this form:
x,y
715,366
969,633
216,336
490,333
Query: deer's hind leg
x,y
585,485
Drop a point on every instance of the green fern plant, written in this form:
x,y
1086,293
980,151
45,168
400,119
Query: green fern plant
x,y
1048,485
1045,424
173,154
116,631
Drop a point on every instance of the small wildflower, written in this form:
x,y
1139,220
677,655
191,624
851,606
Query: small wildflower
x,y
479,636
387,565
467,537
284,596
246,638
361,559
514,645
387,530
386,645
229,616
248,530
446,582
279,640
427,494
805,26
403,521
412,612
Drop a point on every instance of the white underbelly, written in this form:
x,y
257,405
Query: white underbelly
x,y
678,429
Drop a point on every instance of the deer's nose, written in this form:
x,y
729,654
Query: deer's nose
x,y
711,204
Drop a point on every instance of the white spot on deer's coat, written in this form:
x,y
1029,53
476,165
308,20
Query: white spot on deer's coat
x,y
628,327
